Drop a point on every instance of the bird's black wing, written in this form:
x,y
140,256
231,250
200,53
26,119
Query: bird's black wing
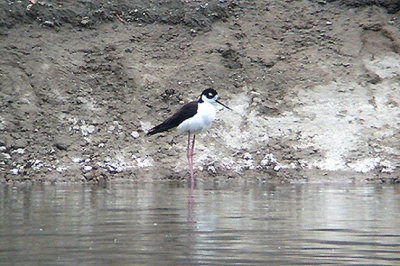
x,y
187,111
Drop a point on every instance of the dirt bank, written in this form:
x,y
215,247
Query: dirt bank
x,y
314,85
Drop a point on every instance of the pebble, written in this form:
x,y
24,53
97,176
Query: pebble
x,y
60,169
85,21
116,123
20,151
15,171
48,23
87,168
87,129
91,129
6,155
62,142
211,169
269,159
257,100
135,134
77,160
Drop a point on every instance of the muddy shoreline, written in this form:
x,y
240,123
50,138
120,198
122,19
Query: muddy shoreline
x,y
314,86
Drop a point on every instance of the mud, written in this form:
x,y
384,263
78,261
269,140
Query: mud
x,y
314,86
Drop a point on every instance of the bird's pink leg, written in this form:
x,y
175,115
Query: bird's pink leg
x,y
191,159
188,150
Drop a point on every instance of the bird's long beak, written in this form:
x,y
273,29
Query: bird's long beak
x,y
223,105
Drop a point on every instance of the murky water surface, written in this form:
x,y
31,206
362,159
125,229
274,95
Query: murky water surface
x,y
166,223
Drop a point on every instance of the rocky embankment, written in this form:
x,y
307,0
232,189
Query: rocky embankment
x,y
314,86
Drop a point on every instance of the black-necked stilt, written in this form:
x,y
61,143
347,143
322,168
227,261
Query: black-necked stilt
x,y
193,118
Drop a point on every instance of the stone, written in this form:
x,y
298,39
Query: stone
x,y
135,134
62,142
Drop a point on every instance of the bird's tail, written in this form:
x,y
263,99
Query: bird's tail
x,y
158,129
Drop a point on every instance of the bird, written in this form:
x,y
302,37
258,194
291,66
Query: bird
x,y
193,118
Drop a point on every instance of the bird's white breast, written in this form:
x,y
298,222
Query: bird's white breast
x,y
201,121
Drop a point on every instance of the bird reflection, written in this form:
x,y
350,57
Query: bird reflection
x,y
190,205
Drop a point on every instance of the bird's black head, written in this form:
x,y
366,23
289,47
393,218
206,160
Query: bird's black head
x,y
208,94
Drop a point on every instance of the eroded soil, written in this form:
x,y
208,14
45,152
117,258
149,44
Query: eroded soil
x,y
314,86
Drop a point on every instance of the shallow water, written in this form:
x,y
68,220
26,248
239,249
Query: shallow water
x,y
166,223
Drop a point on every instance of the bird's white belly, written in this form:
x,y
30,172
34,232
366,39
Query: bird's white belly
x,y
200,122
